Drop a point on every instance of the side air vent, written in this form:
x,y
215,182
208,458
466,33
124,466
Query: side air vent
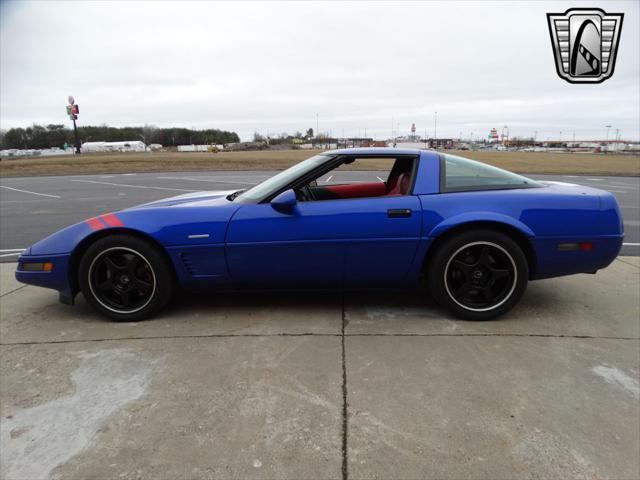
x,y
204,261
188,265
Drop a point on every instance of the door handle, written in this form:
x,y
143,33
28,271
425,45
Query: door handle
x,y
398,212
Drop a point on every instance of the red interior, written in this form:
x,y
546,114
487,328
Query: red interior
x,y
356,190
401,186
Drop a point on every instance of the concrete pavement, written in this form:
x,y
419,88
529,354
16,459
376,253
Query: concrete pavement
x,y
325,386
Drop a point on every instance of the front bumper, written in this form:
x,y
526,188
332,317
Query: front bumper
x,y
58,278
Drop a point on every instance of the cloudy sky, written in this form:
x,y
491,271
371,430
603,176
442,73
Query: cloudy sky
x,y
272,66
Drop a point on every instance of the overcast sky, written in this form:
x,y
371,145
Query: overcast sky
x,y
271,67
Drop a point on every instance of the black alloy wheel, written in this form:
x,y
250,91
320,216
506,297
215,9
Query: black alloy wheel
x,y
125,277
477,274
122,280
480,276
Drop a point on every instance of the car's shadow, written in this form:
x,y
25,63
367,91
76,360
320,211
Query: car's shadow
x,y
365,311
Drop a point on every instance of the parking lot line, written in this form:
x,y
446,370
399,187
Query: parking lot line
x,y
239,182
133,186
27,191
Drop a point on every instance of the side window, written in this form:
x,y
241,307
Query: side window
x,y
461,174
362,178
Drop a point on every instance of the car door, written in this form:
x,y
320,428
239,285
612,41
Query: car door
x,y
360,242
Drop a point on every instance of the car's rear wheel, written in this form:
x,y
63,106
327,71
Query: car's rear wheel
x,y
125,278
478,275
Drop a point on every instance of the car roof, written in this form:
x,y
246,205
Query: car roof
x,y
374,151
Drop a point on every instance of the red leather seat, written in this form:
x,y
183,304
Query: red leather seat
x,y
401,186
358,190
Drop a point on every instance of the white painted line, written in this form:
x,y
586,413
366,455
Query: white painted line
x,y
595,179
12,250
134,186
612,185
631,244
327,180
10,254
239,182
32,193
570,176
380,179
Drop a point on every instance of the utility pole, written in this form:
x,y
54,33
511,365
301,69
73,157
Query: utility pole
x,y
393,139
435,129
607,140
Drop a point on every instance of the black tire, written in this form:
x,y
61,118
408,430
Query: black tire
x,y
126,278
478,274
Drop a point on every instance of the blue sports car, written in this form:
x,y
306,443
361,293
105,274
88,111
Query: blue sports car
x,y
476,234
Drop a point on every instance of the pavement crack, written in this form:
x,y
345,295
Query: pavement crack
x,y
173,337
531,335
626,262
14,290
341,335
345,405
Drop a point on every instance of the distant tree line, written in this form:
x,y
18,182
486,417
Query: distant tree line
x,y
39,136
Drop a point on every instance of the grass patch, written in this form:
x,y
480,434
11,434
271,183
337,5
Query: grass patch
x,y
96,163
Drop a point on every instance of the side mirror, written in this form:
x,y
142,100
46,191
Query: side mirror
x,y
285,202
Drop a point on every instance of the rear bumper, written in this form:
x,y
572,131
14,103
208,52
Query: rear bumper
x,y
554,263
57,278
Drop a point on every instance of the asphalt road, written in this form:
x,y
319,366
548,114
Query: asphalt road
x,y
33,207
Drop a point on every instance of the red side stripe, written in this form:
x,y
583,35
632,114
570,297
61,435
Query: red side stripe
x,y
111,220
95,223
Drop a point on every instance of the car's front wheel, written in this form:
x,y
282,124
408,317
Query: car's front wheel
x,y
478,275
125,278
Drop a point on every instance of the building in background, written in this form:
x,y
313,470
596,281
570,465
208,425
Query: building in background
x,y
127,146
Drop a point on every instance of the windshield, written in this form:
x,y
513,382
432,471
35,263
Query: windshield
x,y
275,183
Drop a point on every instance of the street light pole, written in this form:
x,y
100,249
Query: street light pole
x,y
607,140
435,129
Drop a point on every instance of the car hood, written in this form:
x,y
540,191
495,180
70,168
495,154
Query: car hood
x,y
194,198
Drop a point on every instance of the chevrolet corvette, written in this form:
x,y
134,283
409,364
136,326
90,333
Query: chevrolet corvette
x,y
474,234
